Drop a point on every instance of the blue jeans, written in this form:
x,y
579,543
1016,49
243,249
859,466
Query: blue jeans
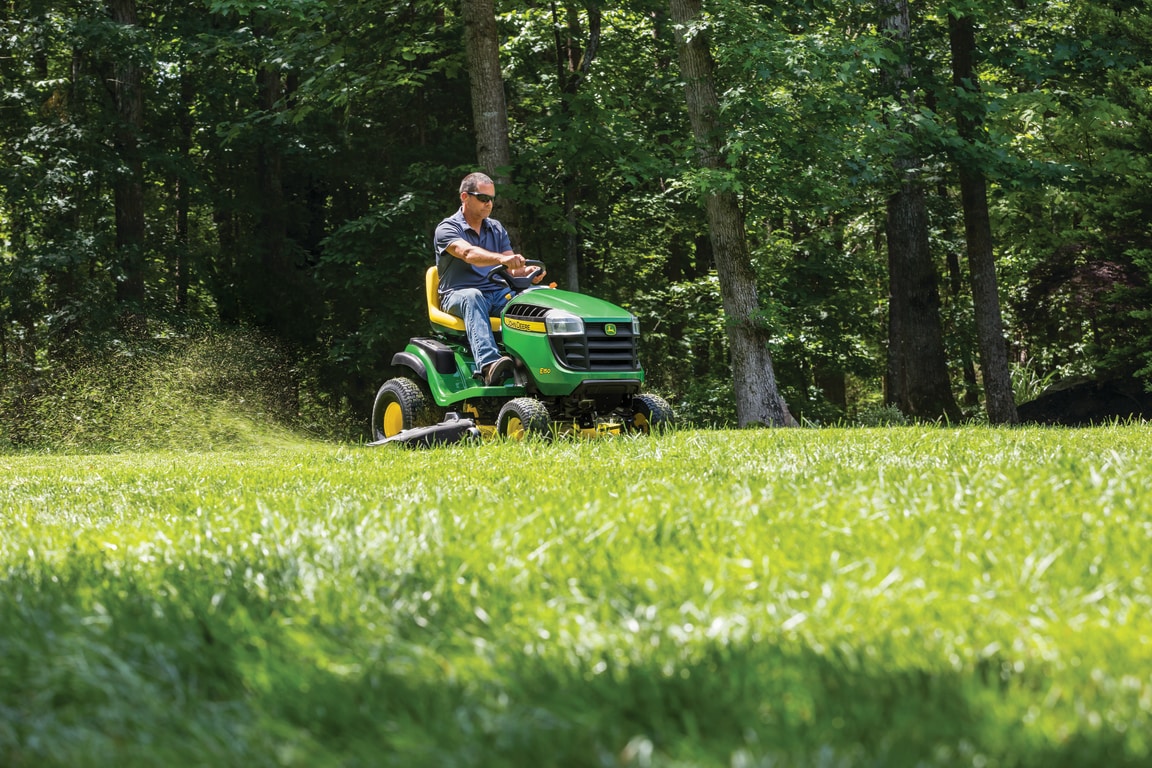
x,y
475,307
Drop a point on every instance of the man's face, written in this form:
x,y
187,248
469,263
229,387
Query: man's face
x,y
474,206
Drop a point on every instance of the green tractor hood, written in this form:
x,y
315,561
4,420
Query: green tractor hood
x,y
587,307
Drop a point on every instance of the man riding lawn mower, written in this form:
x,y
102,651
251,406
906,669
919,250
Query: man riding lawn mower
x,y
575,370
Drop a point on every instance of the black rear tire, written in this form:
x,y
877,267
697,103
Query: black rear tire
x,y
402,404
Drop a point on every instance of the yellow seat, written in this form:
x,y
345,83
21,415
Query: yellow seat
x,y
439,316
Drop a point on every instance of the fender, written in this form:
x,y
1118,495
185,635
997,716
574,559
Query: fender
x,y
410,361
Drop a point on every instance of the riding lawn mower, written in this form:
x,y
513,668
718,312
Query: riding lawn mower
x,y
577,372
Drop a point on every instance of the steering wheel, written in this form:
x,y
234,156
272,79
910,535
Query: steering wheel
x,y
499,274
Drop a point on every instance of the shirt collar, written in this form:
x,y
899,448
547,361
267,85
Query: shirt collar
x,y
485,224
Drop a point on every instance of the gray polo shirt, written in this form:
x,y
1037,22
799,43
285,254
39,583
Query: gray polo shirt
x,y
457,273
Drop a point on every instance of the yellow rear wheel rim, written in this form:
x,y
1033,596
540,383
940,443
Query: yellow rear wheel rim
x,y
514,428
393,419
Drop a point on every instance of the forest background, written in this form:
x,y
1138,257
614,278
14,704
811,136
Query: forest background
x,y
268,175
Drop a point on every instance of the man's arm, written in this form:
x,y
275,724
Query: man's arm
x,y
481,257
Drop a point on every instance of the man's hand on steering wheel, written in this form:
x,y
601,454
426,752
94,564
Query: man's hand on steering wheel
x,y
518,266
537,273
520,278
513,261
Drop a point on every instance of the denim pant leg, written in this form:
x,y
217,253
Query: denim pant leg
x,y
474,307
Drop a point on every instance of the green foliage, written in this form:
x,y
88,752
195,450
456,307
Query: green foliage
x,y
902,596
1028,382
1071,247
368,268
685,349
881,416
607,144
296,155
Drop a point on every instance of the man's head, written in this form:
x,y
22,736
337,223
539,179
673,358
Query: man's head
x,y
477,192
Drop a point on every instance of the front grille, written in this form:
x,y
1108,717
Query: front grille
x,y
598,351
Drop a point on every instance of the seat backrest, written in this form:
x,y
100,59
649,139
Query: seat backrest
x,y
438,316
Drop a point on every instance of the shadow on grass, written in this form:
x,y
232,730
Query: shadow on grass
x,y
218,666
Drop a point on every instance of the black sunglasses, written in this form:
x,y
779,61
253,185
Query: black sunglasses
x,y
482,197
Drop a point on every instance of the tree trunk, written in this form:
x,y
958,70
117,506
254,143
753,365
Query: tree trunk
x,y
266,291
917,375
998,396
917,364
971,394
572,63
128,188
758,399
182,192
572,249
489,110
226,270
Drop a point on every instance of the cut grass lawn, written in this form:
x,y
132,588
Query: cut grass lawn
x,y
905,596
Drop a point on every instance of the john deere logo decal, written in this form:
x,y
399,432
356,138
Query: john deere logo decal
x,y
610,329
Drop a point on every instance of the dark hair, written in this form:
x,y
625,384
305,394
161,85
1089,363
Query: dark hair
x,y
473,181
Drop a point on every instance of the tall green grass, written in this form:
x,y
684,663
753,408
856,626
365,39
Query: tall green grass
x,y
898,597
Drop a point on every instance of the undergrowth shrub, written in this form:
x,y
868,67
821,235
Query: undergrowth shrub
x,y
206,389
881,416
1029,382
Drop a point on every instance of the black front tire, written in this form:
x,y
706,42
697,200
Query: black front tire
x,y
402,404
524,416
650,413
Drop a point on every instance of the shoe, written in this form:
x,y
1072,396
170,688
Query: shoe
x,y
498,371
